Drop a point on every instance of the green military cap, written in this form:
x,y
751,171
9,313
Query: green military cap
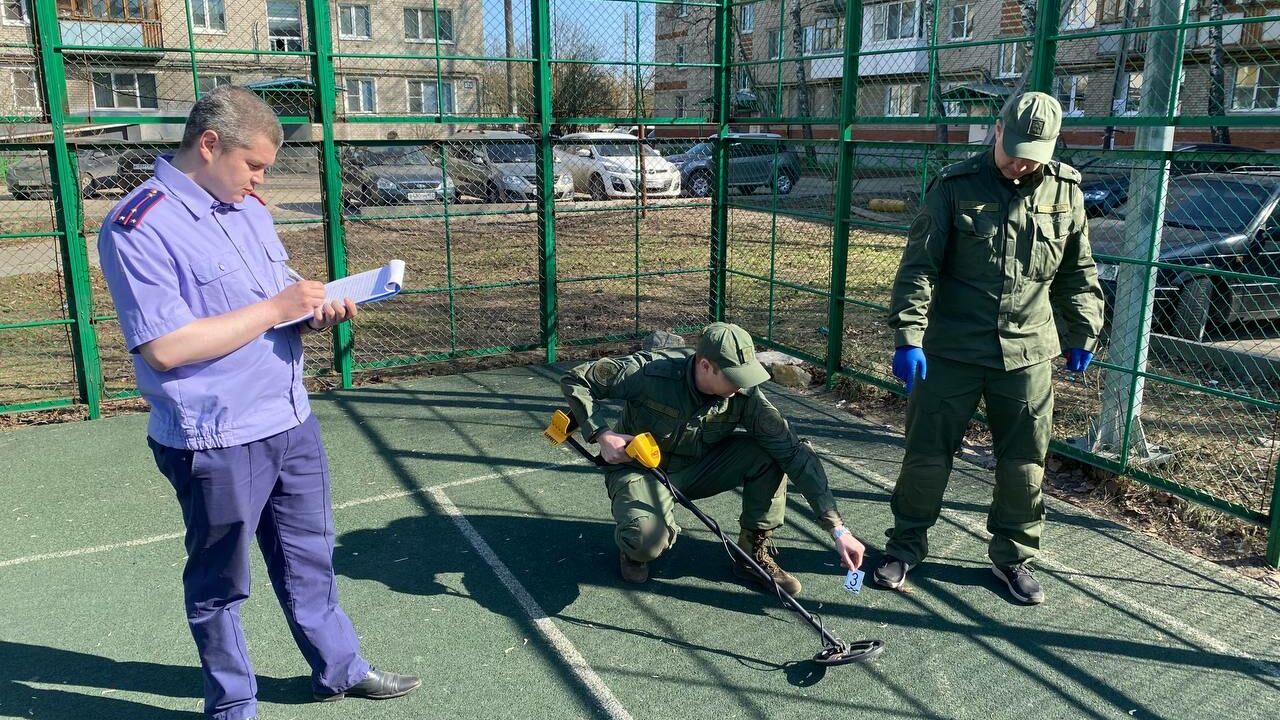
x,y
1031,124
732,349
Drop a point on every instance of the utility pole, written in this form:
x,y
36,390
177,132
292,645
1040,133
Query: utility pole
x,y
1118,429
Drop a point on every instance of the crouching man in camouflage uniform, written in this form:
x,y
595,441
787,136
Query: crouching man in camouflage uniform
x,y
717,431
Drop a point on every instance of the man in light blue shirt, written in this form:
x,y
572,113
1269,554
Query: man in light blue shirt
x,y
199,280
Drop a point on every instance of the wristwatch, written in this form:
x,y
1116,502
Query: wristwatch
x,y
839,532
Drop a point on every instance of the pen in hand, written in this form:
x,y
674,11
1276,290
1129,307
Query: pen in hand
x,y
293,274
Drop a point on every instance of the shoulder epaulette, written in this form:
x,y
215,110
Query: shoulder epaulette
x,y
130,214
964,167
257,197
1065,171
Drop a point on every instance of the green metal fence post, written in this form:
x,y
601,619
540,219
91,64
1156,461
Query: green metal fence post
x,y
542,87
321,46
721,109
1045,55
66,195
1273,533
844,189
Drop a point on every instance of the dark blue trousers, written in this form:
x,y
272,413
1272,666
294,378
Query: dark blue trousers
x,y
278,489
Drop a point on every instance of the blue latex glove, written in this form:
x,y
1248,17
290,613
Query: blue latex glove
x,y
908,361
1078,360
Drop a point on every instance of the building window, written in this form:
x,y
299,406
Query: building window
x,y
209,82
284,25
362,95
775,44
747,19
682,8
894,20
902,101
124,90
208,16
679,106
1257,87
680,53
1010,60
961,22
953,109
17,12
119,10
353,22
26,93
1132,101
826,35
419,21
1071,91
1078,14
425,97
444,30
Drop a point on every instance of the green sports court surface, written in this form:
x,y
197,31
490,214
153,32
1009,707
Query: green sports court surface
x,y
472,553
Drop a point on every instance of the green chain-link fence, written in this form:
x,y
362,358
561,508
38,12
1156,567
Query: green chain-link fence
x,y
564,172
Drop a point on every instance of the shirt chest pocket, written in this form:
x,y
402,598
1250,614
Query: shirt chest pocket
x,y
974,253
1051,230
279,259
223,283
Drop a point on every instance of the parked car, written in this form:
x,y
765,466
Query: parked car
x,y
499,166
1106,180
1226,221
606,165
393,175
751,165
99,170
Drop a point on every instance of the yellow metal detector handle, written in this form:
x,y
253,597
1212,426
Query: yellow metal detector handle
x,y
644,450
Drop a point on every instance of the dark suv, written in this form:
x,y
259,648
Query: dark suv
x,y
751,165
1224,221
100,170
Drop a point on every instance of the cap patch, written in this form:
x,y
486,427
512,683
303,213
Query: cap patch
x,y
1037,128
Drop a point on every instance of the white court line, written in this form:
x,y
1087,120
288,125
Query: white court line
x,y
603,695
89,550
75,552
1135,606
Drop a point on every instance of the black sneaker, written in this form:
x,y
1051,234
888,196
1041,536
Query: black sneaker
x,y
1021,581
891,572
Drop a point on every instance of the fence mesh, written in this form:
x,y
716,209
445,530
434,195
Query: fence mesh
x,y
562,172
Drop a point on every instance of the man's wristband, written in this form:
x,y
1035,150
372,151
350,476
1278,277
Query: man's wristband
x,y
839,532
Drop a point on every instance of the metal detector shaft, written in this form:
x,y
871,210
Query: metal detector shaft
x,y
743,555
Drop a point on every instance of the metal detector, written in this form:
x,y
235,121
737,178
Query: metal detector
x,y
644,451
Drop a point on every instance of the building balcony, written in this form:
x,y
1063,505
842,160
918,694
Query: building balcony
x,y
110,24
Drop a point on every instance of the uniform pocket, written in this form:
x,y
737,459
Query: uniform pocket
x,y
222,283
279,258
1051,237
974,252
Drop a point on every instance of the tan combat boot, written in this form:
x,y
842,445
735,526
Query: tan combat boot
x,y
632,571
761,549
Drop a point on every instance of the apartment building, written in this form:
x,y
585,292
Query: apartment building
x,y
131,57
972,80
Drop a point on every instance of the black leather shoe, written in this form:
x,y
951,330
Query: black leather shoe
x,y
377,685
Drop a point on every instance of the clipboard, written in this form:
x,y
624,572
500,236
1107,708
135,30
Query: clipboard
x,y
366,287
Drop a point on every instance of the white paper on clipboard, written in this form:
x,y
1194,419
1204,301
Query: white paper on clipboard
x,y
366,287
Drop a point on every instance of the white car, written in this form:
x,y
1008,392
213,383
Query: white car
x,y
606,165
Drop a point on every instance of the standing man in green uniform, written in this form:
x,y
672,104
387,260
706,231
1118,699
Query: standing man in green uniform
x,y
1001,244
717,432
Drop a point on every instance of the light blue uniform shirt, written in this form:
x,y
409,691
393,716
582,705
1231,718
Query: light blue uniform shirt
x,y
171,260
